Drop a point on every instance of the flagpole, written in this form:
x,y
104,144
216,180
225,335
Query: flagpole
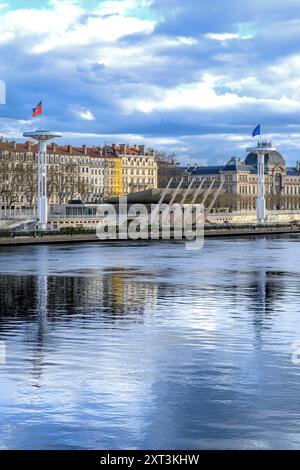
x,y
259,140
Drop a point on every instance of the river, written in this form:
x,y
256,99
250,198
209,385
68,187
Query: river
x,y
148,345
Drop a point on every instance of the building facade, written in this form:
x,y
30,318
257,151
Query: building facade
x,y
139,168
282,183
74,173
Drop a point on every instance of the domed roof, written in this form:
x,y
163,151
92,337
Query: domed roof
x,y
272,158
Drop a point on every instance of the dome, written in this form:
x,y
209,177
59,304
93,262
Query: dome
x,y
273,158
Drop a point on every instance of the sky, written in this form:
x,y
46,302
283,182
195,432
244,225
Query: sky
x,y
192,77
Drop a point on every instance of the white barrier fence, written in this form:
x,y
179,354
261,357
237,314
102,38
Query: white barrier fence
x,y
87,213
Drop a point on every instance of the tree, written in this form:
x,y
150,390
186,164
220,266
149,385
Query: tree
x,y
65,182
12,178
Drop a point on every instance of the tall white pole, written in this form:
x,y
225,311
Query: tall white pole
x,y
42,200
261,202
42,137
263,148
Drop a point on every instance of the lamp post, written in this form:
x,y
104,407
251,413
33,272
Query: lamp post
x,y
260,151
42,137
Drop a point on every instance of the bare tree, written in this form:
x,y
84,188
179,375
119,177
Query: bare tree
x,y
65,182
12,178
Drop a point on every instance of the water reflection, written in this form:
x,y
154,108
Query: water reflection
x,y
150,346
114,294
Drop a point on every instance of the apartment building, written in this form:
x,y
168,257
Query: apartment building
x,y
74,173
139,168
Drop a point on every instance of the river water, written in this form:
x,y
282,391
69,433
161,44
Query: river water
x,y
148,345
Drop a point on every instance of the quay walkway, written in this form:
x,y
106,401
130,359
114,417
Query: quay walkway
x,y
210,232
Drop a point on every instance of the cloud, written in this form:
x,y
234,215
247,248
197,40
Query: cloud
x,y
120,6
2,92
168,72
203,96
66,24
227,36
85,114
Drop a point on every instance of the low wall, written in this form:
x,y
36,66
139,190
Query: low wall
x,y
91,238
77,222
218,219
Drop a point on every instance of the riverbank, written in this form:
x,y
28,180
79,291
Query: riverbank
x,y
210,232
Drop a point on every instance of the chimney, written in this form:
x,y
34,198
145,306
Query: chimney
x,y
100,150
14,145
123,149
54,147
29,145
85,149
69,149
298,166
142,149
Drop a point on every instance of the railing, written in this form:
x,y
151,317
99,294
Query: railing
x,y
73,216
17,213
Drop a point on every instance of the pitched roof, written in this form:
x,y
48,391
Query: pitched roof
x,y
292,172
235,164
206,170
61,150
92,151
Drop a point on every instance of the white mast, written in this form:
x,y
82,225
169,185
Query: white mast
x,y
42,138
262,149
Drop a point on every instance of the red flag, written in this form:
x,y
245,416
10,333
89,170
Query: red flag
x,y
37,110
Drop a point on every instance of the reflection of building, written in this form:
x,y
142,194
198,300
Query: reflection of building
x,y
112,294
116,292
282,183
17,295
74,173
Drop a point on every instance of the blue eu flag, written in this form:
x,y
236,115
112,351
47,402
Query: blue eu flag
x,y
256,131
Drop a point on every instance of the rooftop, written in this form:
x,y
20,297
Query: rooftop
x,y
206,170
272,158
70,150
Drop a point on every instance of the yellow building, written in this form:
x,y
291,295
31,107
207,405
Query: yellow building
x,y
118,189
139,168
